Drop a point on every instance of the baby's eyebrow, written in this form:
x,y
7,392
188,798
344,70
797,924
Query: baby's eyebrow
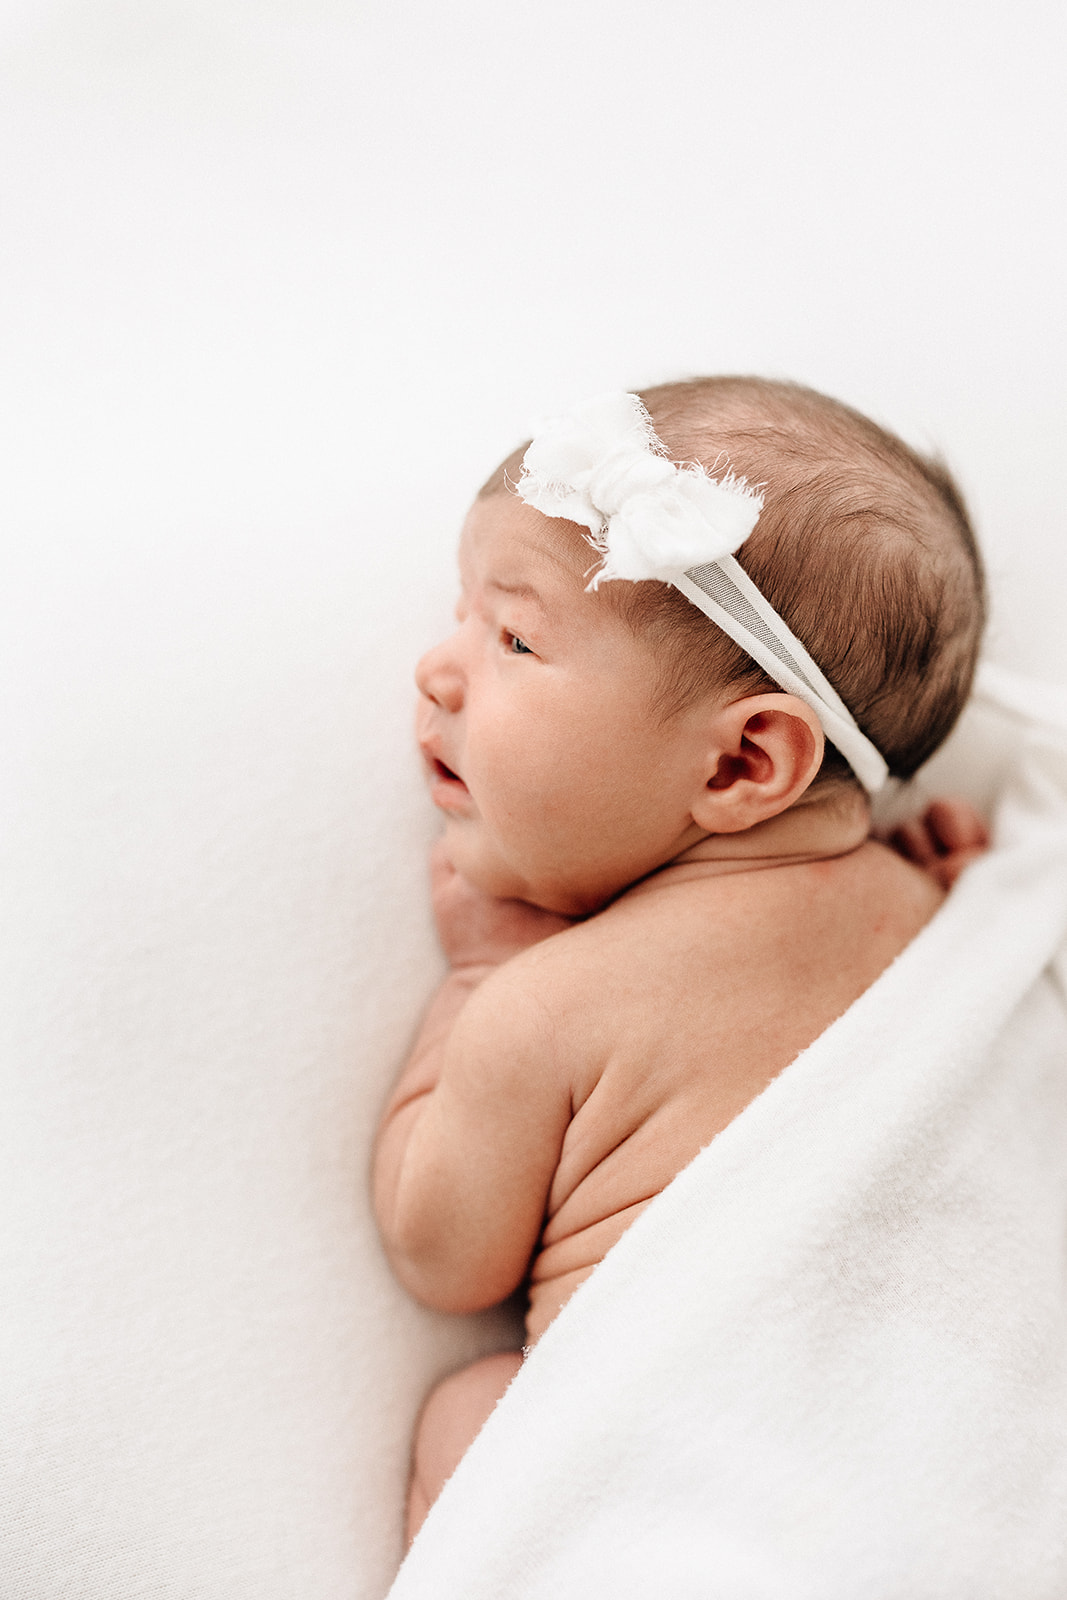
x,y
523,591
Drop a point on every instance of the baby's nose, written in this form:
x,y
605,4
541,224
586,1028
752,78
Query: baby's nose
x,y
439,678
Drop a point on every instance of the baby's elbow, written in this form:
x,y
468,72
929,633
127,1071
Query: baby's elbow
x,y
441,1292
448,1256
443,1281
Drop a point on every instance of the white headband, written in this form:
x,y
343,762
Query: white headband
x,y
649,517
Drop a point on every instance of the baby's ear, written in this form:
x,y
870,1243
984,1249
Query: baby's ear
x,y
763,753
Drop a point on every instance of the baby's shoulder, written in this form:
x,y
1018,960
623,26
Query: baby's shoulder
x,y
563,998
588,978
767,958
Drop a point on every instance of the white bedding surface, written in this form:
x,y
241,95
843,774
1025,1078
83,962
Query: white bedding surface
x,y
278,285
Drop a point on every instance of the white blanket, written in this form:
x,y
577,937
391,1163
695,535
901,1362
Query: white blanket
x,y
831,1358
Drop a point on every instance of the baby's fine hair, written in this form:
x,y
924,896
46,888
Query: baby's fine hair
x,y
863,546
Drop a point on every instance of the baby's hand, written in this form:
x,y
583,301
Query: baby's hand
x,y
946,838
476,928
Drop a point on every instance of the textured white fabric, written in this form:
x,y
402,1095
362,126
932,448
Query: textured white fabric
x,y
830,1359
602,466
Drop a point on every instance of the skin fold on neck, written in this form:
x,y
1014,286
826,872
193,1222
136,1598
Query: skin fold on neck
x,y
817,831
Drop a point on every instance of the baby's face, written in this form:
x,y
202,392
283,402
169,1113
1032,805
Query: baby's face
x,y
557,782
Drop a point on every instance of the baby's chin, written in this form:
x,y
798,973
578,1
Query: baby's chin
x,y
491,878
564,899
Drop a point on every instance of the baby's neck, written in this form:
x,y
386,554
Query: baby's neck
x,y
817,831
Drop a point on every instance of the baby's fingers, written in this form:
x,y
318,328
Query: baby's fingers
x,y
948,836
955,825
913,841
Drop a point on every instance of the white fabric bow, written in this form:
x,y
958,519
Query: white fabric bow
x,y
602,466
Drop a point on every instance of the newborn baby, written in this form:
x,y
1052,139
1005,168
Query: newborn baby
x,y
657,882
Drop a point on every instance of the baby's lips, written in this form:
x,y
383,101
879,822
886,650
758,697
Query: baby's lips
x,y
447,788
435,764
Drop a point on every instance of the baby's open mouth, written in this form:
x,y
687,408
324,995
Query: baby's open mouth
x,y
447,788
448,785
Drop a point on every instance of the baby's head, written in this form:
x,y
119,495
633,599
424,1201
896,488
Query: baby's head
x,y
579,736
863,547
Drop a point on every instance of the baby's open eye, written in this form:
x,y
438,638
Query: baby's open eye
x,y
516,646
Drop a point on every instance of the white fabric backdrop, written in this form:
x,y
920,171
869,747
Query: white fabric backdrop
x,y
280,280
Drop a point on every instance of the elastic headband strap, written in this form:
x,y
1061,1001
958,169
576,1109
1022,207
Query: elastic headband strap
x,y
724,592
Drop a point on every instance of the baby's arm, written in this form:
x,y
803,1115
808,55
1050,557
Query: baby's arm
x,y
470,1138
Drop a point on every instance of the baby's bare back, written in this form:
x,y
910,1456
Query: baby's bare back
x,y
677,1006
